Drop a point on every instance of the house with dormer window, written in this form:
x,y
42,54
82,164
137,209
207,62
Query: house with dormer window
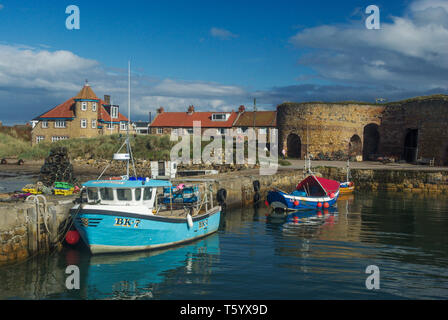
x,y
83,116
182,122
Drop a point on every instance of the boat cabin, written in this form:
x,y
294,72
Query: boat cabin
x,y
124,192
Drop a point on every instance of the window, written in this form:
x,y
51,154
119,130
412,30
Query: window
x,y
222,130
92,193
54,139
114,112
83,123
83,106
262,131
39,139
106,194
219,117
93,123
190,130
147,194
110,126
44,124
160,130
123,126
124,194
94,106
59,124
138,194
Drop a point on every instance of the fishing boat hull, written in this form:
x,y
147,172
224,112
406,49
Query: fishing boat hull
x,y
281,200
111,231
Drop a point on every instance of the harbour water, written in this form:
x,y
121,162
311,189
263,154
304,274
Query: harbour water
x,y
316,256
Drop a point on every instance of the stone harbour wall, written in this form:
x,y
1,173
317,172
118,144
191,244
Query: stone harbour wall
x,y
26,231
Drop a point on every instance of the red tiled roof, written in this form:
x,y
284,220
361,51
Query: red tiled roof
x,y
86,93
262,119
64,110
104,115
185,120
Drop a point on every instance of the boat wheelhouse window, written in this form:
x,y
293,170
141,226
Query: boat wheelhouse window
x,y
107,194
147,194
124,194
92,193
138,194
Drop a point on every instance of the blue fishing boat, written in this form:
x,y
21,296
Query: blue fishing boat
x,y
311,193
126,215
132,213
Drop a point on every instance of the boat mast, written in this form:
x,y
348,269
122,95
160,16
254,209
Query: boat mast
x,y
128,143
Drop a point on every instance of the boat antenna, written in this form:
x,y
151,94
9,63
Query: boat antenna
x,y
128,143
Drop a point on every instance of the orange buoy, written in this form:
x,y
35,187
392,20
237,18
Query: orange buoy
x,y
332,195
296,203
319,205
326,205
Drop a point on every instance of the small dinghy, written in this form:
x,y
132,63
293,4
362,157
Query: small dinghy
x,y
311,193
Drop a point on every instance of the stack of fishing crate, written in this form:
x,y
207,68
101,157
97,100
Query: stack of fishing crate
x,y
63,188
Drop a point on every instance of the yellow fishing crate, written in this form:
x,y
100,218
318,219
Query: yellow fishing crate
x,y
33,191
63,192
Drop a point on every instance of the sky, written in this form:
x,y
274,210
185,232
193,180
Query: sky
x,y
218,55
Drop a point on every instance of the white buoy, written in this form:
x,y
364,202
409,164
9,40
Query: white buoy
x,y
189,221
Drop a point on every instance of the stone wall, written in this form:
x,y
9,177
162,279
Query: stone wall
x,y
339,130
23,228
325,129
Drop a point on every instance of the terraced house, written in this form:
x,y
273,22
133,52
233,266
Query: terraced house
x,y
83,116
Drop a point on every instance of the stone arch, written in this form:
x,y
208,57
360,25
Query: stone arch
x,y
371,141
410,145
355,146
294,146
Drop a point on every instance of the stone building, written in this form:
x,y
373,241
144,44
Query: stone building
x,y
410,130
83,116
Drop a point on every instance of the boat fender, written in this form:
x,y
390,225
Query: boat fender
x,y
221,196
189,221
256,185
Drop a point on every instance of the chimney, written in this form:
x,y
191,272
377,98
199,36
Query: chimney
x,y
107,99
160,110
190,110
241,109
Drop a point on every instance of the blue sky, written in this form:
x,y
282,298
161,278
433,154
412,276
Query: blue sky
x,y
218,54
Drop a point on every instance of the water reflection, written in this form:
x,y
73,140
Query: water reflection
x,y
137,275
313,255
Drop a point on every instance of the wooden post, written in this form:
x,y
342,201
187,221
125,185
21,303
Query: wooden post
x,y
32,230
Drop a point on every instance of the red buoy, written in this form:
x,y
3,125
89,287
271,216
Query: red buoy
x,y
266,203
72,237
319,205
331,195
326,205
296,203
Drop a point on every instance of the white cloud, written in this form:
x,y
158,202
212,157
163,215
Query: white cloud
x,y
34,79
222,33
411,51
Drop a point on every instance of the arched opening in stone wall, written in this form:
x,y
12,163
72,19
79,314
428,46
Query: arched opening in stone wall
x,y
410,145
294,146
371,141
354,146
445,157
